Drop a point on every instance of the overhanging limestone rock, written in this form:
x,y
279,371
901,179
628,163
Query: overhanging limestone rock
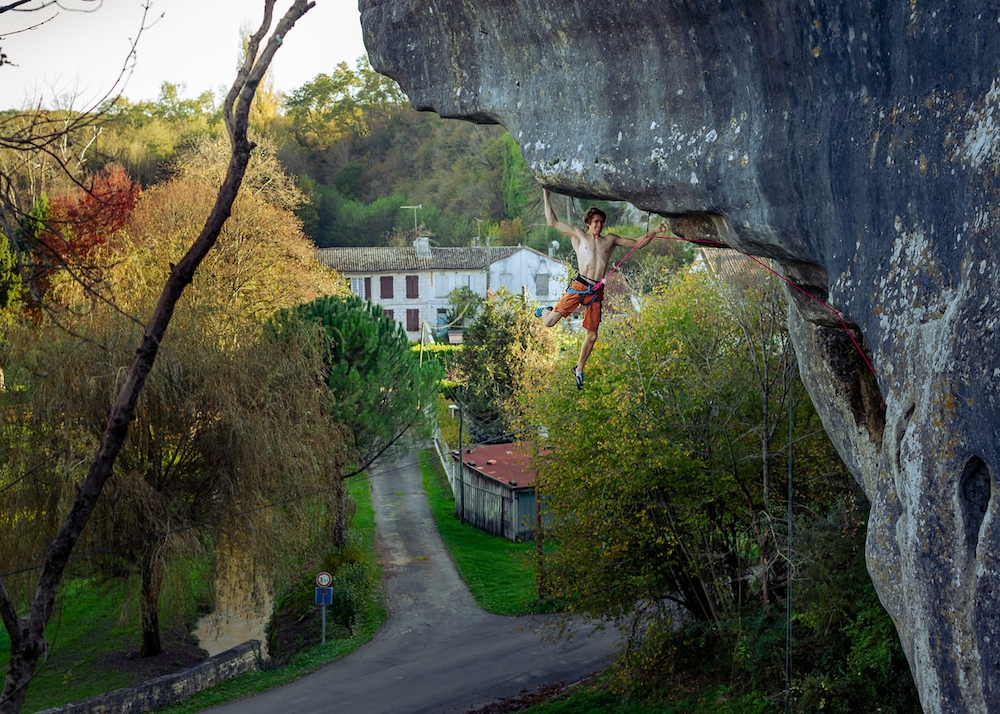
x,y
859,144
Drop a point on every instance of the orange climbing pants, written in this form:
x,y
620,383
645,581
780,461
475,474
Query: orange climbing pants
x,y
578,294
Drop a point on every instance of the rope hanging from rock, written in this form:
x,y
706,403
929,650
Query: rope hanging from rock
x,y
718,244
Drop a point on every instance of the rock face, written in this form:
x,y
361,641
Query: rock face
x,y
858,144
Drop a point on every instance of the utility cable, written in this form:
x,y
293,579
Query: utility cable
x,y
193,526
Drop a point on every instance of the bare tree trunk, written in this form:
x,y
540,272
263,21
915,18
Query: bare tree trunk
x,y
340,517
539,546
149,605
27,634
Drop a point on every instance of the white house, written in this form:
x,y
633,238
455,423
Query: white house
x,y
412,284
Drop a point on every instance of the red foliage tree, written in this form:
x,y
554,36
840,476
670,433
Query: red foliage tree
x,y
86,218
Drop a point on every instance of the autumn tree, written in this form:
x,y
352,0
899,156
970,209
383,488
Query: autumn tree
x,y
452,168
181,454
221,429
334,105
506,351
263,261
146,137
27,633
655,475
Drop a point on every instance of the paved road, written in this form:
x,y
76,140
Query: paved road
x,y
437,652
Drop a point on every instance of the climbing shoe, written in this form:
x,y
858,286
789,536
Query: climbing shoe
x,y
540,310
579,378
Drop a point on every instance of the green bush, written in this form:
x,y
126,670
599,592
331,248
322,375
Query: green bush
x,y
296,625
846,656
445,355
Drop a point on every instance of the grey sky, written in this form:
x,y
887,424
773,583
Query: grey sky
x,y
194,43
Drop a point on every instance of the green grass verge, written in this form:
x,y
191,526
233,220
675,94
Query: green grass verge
x,y
251,683
82,632
596,698
500,573
86,629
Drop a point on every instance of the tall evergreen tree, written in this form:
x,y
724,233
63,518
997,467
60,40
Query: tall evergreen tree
x,y
378,388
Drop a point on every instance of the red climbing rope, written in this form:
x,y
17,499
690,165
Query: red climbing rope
x,y
836,313
600,283
718,244
698,241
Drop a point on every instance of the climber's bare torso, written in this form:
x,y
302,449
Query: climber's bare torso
x,y
593,250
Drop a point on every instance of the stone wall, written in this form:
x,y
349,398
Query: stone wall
x,y
170,688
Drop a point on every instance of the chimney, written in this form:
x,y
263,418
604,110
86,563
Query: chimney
x,y
423,247
552,248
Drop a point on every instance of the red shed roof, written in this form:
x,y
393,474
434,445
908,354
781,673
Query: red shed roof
x,y
509,464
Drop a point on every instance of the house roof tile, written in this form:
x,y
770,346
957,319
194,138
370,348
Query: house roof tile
x,y
388,260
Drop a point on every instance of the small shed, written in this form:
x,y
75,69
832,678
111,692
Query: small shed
x,y
496,490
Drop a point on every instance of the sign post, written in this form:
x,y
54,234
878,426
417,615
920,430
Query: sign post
x,y
324,596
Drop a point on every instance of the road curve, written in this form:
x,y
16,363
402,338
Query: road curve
x,y
437,652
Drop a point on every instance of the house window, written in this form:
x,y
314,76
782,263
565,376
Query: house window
x,y
541,285
386,287
358,286
442,316
412,286
412,320
368,288
388,314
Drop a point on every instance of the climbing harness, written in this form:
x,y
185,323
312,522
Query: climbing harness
x,y
591,290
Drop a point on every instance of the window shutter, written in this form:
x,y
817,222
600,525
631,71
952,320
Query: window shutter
x,y
386,287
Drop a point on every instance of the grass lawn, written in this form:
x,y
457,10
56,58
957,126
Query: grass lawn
x,y
85,632
596,698
500,573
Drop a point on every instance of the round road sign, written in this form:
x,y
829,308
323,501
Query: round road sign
x,y
324,579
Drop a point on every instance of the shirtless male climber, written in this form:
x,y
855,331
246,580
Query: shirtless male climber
x,y
593,253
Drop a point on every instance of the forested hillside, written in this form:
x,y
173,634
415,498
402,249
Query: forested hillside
x,y
361,154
